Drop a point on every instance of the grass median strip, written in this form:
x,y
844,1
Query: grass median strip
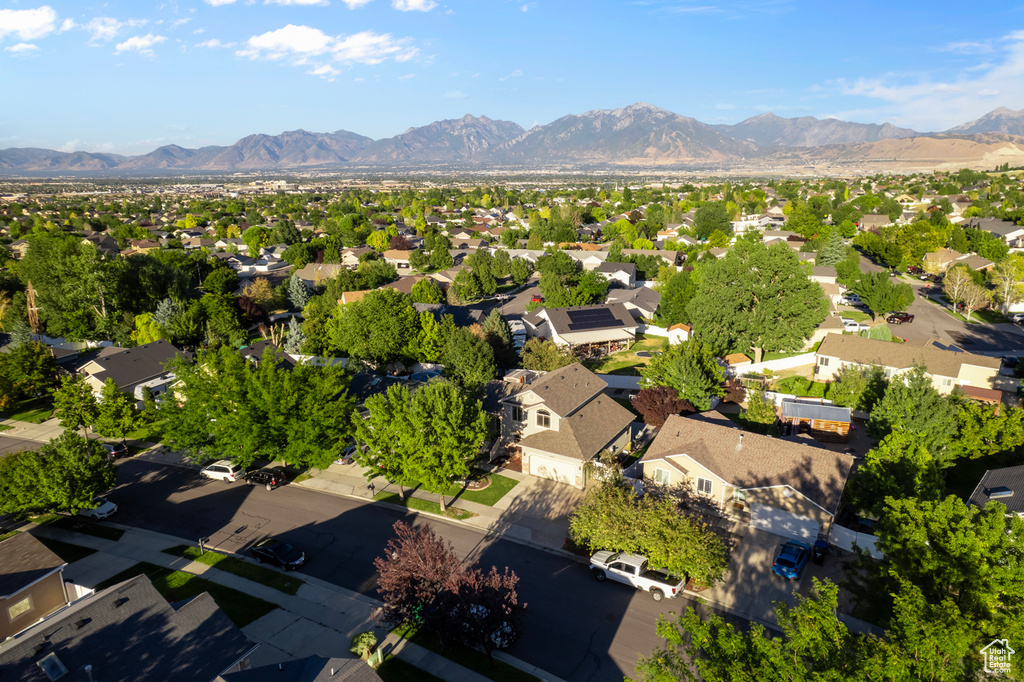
x,y
258,574
77,524
477,661
240,607
423,505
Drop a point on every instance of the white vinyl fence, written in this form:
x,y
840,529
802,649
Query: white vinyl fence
x,y
777,365
846,538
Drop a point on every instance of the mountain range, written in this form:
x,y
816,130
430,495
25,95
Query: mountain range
x,y
638,135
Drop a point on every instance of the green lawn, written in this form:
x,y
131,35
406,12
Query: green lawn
x,y
396,670
149,433
423,505
800,386
65,550
500,485
5,427
857,316
984,316
78,524
477,661
258,574
240,607
8,534
753,427
618,363
34,410
779,356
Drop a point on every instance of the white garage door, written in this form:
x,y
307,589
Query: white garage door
x,y
784,523
548,467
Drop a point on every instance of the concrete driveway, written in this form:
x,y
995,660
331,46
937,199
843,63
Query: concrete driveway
x,y
750,589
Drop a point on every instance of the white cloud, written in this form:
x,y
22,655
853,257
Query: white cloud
x,y
140,44
968,48
213,43
406,76
70,146
66,25
322,3
218,3
324,70
927,104
28,24
105,28
515,74
456,94
354,4
22,49
298,44
527,6
413,5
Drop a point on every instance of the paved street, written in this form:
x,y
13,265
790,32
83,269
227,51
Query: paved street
x,y
576,628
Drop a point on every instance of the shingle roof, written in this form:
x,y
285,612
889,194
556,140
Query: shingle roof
x,y
497,390
862,351
24,560
565,389
583,434
130,632
560,318
135,365
998,482
642,297
750,460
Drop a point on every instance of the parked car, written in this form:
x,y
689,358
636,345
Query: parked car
x,y
791,560
632,569
102,509
898,317
115,450
277,552
914,270
537,298
1017,318
851,326
223,470
271,478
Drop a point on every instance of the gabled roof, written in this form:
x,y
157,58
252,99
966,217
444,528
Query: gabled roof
x,y
23,561
628,268
134,365
942,256
750,460
130,632
565,389
641,297
561,319
995,485
584,433
862,351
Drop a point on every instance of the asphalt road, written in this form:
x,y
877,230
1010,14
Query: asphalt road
x,y
576,628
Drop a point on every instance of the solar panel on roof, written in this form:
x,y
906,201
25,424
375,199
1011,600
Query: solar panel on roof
x,y
595,318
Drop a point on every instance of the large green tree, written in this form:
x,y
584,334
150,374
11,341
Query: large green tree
x,y
710,217
376,328
75,403
881,295
26,370
691,369
911,405
115,412
756,298
64,475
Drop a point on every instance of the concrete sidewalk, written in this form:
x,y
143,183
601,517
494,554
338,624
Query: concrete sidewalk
x,y
320,618
535,512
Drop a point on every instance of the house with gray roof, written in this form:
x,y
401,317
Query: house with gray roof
x,y
641,302
1011,233
947,368
129,632
132,367
1004,485
31,583
609,323
621,273
787,488
562,420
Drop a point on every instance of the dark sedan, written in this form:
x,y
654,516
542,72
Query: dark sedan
x,y
275,551
898,317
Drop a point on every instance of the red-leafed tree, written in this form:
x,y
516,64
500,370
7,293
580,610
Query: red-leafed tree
x,y
485,612
416,569
252,310
399,243
735,391
655,404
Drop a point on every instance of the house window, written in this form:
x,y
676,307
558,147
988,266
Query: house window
x,y
740,495
544,419
704,486
823,362
662,476
19,608
888,373
946,381
518,414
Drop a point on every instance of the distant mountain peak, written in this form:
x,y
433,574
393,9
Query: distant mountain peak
x,y
999,120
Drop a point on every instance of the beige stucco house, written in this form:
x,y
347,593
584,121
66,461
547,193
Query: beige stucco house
x,y
609,323
562,420
788,488
948,369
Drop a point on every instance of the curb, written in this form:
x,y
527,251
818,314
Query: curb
x,y
488,532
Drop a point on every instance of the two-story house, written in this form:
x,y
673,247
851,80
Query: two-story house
x,y
948,369
561,421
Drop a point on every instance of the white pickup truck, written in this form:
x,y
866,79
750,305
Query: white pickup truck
x,y
632,569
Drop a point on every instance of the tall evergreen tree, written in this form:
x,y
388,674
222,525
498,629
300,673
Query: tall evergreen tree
x,y
833,250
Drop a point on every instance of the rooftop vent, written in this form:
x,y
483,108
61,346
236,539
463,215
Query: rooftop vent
x,y
118,603
81,623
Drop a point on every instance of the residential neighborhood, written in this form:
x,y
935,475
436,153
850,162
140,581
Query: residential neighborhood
x,y
796,402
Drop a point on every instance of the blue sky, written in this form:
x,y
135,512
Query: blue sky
x,y
127,77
